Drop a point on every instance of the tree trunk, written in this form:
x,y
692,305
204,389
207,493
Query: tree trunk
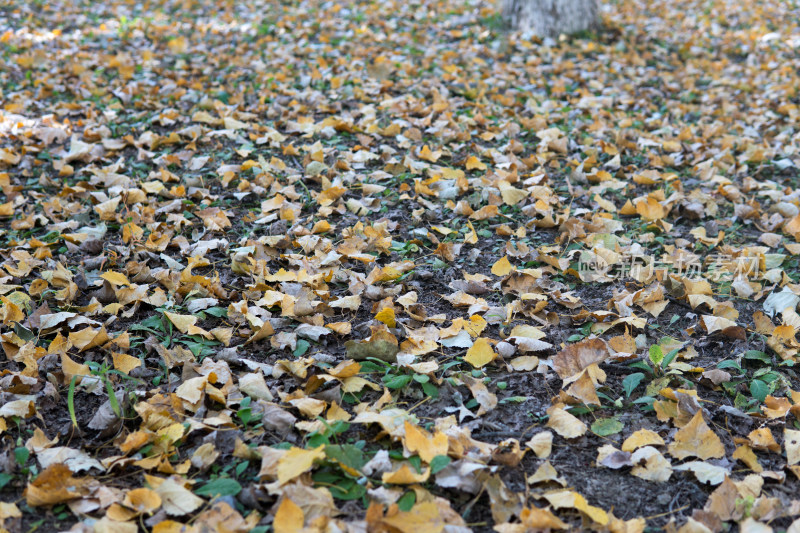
x,y
550,18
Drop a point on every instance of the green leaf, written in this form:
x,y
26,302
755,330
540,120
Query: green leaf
x,y
23,332
346,454
198,348
439,462
301,348
371,367
579,410
654,387
5,479
603,427
21,455
645,399
514,399
669,357
430,390
641,365
656,354
757,355
730,364
407,501
759,389
630,383
152,324
223,486
765,374
574,338
217,311
396,382
346,489
416,462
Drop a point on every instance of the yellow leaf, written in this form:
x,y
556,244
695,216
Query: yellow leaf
x,y
107,210
511,195
186,324
70,368
405,476
192,389
471,237
475,325
480,353
540,519
297,461
583,389
572,500
643,437
115,278
109,525
289,517
178,45
88,338
791,440
473,163
485,212
386,315
347,302
172,526
502,267
424,517
124,362
9,510
650,209
696,439
524,363
142,500
541,444
762,439
263,332
745,454
628,209
182,322
427,155
565,424
10,312
176,499
53,486
717,323
650,465
20,408
424,444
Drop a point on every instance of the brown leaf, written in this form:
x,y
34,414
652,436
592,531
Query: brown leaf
x,y
53,486
575,357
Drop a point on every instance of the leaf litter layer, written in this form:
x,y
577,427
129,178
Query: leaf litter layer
x,y
386,267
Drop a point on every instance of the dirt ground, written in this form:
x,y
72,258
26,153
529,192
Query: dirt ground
x,y
308,266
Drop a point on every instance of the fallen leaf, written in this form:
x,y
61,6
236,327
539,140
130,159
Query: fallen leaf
x,y
289,517
424,444
575,357
176,500
297,461
480,353
565,424
696,439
